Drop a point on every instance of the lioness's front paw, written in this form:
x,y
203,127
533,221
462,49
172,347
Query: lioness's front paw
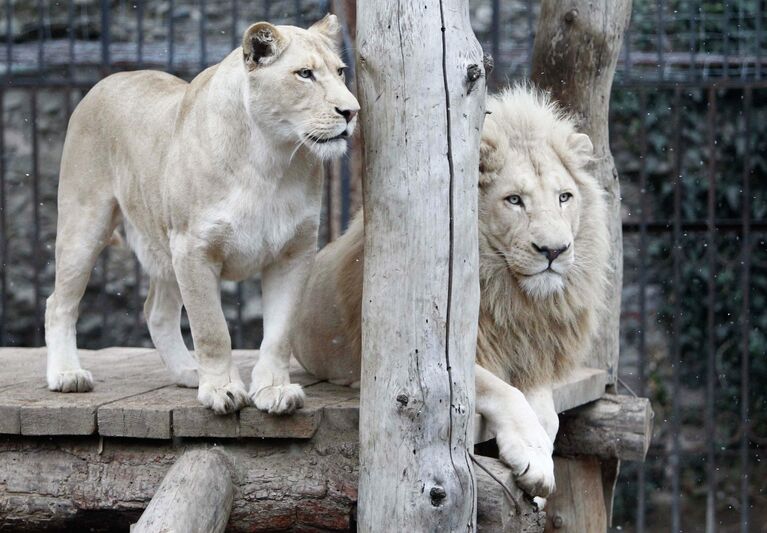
x,y
223,399
278,399
186,377
71,381
528,454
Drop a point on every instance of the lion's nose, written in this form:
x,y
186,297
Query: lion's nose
x,y
348,114
550,253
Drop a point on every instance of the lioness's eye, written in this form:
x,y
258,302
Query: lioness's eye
x,y
514,199
565,196
305,73
341,71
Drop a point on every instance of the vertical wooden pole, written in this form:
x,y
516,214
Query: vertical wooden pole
x,y
575,54
422,89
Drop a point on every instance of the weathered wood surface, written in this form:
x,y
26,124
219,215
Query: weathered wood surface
x,y
577,506
576,49
103,484
496,511
195,495
614,427
134,397
422,91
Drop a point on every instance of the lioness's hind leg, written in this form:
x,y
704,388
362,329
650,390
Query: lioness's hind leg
x,y
83,231
163,317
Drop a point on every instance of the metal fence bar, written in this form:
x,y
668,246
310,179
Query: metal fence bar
x,y
40,35
106,35
171,28
643,208
711,317
676,320
660,6
726,39
203,36
693,71
36,219
297,16
8,37
530,35
140,33
758,45
495,40
745,319
3,231
71,38
235,35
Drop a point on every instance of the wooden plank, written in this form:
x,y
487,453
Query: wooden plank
x,y
42,412
583,386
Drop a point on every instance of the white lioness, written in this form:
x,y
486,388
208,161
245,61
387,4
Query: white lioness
x,y
215,179
543,258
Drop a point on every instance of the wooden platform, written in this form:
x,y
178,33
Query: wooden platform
x,y
134,397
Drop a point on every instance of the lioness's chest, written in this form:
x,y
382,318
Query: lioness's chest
x,y
251,227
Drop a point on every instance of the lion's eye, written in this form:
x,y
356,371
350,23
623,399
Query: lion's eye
x,y
305,73
564,197
341,71
514,199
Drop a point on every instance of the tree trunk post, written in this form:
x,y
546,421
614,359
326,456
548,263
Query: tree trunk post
x,y
422,89
574,56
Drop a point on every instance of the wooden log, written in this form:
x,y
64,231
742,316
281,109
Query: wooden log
x,y
422,90
614,427
501,505
577,506
574,56
196,495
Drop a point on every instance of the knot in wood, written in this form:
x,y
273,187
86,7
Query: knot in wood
x,y
403,400
557,521
571,15
437,495
473,73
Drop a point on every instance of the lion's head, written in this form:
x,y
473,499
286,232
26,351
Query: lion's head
x,y
543,239
296,85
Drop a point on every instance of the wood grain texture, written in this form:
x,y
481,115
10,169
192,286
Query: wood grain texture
x,y
195,495
577,506
421,118
574,56
614,427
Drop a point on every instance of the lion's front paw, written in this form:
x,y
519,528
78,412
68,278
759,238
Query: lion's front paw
x,y
278,399
528,454
71,381
223,399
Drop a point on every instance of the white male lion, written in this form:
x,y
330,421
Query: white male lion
x,y
543,258
215,179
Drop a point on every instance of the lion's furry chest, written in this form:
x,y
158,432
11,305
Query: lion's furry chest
x,y
251,227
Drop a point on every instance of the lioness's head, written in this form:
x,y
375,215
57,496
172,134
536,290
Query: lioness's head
x,y
296,85
534,191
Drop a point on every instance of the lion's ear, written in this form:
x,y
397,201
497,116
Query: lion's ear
x,y
491,157
581,148
328,26
262,43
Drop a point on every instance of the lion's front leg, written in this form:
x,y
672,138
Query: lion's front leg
x,y
282,284
221,388
523,443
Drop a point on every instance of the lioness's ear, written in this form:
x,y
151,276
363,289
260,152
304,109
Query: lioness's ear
x,y
581,148
491,158
328,27
262,43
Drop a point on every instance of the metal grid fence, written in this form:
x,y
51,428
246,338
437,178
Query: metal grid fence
x,y
688,132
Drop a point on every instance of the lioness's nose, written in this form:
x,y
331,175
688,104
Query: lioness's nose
x,y
550,253
348,114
